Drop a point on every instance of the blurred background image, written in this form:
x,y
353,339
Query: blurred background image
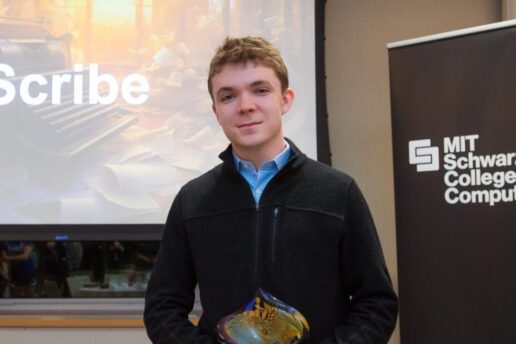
x,y
73,269
81,163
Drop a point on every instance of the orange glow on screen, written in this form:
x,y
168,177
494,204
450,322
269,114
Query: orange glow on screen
x,y
114,10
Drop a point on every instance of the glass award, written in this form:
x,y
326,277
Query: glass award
x,y
263,320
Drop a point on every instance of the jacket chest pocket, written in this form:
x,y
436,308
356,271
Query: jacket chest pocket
x,y
295,235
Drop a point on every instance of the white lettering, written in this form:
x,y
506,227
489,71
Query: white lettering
x,y
471,140
480,196
25,89
448,176
453,196
103,88
487,160
77,84
95,82
10,91
462,163
458,143
57,84
465,197
135,83
452,146
449,162
450,199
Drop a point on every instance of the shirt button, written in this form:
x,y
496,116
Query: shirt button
x,y
258,191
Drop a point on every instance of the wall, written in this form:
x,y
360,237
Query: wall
x,y
359,110
357,88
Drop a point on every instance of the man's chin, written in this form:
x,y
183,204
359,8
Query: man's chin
x,y
249,143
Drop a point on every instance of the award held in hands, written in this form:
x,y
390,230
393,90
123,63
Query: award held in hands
x,y
263,320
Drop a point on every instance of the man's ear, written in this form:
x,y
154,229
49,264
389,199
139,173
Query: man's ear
x,y
287,99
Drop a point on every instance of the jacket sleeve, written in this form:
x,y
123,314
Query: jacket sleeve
x,y
171,290
374,304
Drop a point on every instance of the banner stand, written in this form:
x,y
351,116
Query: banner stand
x,y
453,99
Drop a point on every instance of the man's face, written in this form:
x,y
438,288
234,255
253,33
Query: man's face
x,y
249,103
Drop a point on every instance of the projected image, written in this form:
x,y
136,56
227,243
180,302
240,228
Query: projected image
x,y
75,269
104,108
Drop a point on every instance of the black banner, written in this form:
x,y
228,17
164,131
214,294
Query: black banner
x,y
454,145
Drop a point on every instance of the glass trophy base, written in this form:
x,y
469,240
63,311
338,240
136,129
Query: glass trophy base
x,y
263,320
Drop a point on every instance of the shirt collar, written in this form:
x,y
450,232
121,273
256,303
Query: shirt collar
x,y
276,163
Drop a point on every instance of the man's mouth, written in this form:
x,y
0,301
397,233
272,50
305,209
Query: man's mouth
x,y
247,125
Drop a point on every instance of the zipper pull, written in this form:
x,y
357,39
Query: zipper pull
x,y
274,234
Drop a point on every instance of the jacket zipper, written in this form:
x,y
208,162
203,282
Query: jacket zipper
x,y
257,242
274,234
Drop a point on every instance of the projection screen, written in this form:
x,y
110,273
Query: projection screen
x,y
104,108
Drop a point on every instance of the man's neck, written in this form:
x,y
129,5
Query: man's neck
x,y
258,155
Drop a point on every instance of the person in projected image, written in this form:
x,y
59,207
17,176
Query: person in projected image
x,y
141,259
21,266
52,266
4,273
267,217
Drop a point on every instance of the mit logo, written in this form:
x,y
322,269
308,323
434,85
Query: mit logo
x,y
425,157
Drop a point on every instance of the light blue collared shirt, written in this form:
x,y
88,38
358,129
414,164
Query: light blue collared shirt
x,y
258,180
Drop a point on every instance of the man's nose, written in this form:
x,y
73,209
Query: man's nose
x,y
246,103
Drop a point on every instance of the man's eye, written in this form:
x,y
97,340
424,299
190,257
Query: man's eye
x,y
226,97
261,91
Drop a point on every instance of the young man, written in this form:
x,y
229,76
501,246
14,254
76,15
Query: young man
x,y
268,217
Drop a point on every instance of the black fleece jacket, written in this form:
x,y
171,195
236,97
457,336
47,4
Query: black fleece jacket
x,y
311,242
